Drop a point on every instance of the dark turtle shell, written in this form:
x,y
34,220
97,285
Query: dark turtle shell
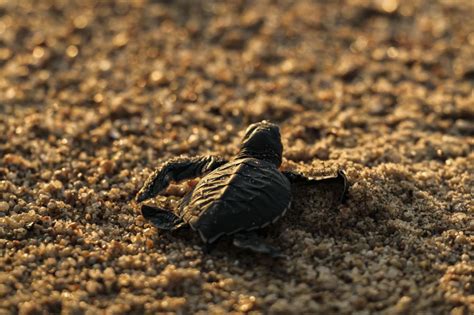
x,y
242,195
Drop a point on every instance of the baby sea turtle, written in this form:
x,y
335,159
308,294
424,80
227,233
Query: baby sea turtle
x,y
233,197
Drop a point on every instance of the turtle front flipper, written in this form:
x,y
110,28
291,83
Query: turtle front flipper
x,y
338,184
251,241
162,219
176,170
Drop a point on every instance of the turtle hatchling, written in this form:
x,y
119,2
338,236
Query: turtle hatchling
x,y
234,197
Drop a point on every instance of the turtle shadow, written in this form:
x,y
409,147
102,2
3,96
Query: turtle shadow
x,y
313,211
223,248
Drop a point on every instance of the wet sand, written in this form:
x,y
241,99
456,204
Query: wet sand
x,y
94,96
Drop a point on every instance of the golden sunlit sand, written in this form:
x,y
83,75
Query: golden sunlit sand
x,y
95,94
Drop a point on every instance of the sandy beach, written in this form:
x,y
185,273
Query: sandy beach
x,y
94,95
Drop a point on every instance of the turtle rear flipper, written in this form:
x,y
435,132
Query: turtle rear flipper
x,y
252,241
161,218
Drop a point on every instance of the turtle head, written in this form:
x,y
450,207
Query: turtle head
x,y
262,141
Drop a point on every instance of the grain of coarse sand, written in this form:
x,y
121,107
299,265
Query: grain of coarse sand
x,y
95,94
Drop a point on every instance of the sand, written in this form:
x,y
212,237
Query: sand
x,y
95,95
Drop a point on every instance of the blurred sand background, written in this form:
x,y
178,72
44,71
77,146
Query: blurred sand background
x,y
95,94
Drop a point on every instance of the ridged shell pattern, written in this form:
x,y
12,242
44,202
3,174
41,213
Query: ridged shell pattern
x,y
241,195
